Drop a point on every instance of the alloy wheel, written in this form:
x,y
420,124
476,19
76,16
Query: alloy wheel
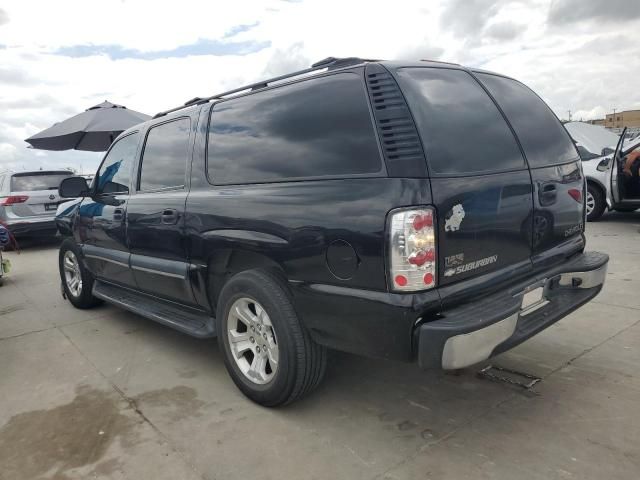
x,y
591,203
252,340
72,274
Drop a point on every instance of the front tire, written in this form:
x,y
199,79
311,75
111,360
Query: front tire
x,y
77,281
595,203
267,351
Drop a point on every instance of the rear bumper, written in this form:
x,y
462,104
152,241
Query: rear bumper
x,y
31,225
478,330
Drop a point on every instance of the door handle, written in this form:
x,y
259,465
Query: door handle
x,y
169,216
118,214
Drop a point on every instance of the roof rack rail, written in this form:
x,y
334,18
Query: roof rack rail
x,y
328,63
439,61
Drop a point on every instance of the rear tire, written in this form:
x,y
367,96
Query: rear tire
x,y
595,203
255,311
77,281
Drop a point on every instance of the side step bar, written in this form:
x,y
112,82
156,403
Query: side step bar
x,y
187,320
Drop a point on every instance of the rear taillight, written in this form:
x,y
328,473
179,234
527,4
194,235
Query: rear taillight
x,y
412,249
576,194
13,199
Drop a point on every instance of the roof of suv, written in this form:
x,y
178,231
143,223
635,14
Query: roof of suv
x,y
328,64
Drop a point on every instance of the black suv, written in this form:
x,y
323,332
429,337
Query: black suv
x,y
412,211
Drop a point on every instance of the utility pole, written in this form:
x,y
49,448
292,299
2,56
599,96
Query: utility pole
x,y
569,112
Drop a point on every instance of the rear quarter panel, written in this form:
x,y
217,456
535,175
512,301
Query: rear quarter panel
x,y
292,225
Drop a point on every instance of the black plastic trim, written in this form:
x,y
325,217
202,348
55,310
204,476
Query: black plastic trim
x,y
401,145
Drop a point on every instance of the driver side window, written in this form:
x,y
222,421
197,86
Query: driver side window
x,y
115,173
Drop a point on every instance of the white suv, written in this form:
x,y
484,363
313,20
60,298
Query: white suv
x,y
29,200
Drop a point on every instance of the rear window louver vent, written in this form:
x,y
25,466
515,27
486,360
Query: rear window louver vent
x,y
397,131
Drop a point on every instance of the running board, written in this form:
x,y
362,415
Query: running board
x,y
187,320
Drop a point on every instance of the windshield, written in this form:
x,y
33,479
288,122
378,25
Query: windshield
x,y
586,154
594,139
37,181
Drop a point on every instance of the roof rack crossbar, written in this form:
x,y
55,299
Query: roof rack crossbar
x,y
322,64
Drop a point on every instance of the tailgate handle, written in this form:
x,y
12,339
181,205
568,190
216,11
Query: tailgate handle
x,y
169,216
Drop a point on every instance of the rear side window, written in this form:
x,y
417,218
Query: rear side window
x,y
543,139
462,129
315,128
165,155
37,181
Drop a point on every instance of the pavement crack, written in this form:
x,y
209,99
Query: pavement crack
x,y
590,349
53,327
614,305
26,333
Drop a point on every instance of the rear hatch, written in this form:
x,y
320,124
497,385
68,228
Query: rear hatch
x,y
480,183
556,171
506,178
35,194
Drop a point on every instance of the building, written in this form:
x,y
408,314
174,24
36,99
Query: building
x,y
627,118
597,121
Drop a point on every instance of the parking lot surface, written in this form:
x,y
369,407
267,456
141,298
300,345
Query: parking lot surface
x,y
104,393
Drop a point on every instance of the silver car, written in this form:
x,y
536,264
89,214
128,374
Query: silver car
x,y
29,200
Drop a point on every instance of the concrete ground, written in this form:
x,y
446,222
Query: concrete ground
x,y
106,394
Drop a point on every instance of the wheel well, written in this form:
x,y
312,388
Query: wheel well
x,y
598,186
227,263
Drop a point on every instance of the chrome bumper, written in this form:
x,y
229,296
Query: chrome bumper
x,y
473,333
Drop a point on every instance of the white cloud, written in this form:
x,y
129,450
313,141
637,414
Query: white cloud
x,y
585,70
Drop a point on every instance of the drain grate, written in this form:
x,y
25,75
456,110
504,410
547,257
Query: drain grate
x,y
511,377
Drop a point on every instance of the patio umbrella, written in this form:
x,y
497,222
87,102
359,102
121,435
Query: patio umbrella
x,y
92,130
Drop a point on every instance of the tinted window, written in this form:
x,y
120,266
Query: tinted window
x,y
313,128
115,173
165,155
460,126
37,181
544,140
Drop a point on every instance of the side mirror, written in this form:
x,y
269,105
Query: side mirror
x,y
603,165
73,187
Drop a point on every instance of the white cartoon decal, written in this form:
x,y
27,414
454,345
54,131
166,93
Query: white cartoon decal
x,y
452,224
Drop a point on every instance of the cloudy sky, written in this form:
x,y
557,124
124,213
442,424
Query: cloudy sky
x,y
60,57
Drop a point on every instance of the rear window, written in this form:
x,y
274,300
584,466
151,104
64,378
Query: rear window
x,y
165,155
544,140
37,181
315,128
462,129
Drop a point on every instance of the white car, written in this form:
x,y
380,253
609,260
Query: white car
x,y
29,200
607,187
